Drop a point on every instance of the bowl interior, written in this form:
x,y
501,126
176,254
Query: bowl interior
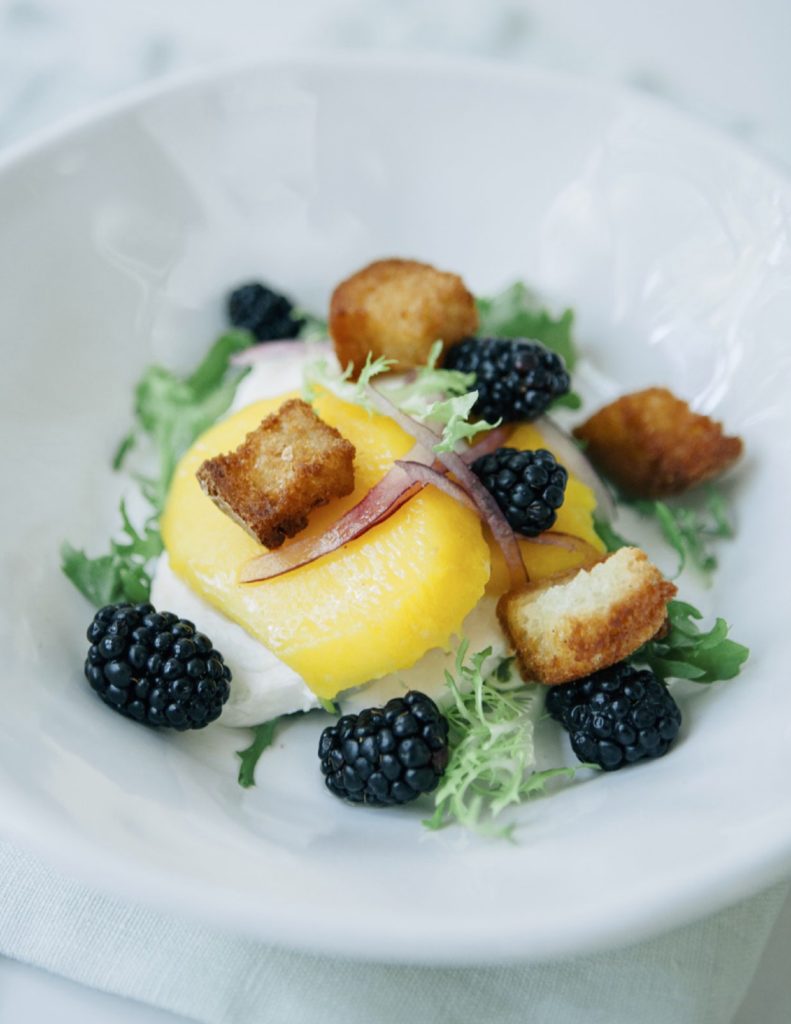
x,y
119,240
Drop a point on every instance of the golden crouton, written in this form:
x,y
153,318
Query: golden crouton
x,y
398,309
585,619
651,444
290,464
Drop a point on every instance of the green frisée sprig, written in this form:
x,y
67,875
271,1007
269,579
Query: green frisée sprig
x,y
322,374
454,415
426,383
121,575
492,761
427,393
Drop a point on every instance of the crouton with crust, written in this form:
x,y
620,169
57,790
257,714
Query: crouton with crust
x,y
577,622
290,464
398,309
651,444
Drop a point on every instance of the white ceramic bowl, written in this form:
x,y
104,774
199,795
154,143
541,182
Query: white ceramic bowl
x,y
121,234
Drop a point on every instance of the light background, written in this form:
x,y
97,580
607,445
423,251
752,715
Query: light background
x,y
726,61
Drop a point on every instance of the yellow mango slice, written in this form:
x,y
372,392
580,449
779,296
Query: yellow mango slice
x,y
575,517
373,607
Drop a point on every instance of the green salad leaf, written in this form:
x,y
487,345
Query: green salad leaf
x,y
172,411
690,531
492,759
263,737
121,575
686,652
517,313
427,383
320,373
428,394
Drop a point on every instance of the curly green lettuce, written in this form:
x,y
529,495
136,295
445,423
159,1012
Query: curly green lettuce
x,y
492,763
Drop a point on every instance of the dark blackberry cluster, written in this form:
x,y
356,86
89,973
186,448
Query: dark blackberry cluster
x,y
386,755
515,380
154,667
528,486
265,313
617,716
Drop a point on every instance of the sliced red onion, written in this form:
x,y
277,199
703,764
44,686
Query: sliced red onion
x,y
567,541
488,508
265,350
424,434
420,473
494,439
576,461
379,503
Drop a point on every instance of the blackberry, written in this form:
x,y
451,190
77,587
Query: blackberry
x,y
386,755
155,667
265,313
528,486
617,716
515,380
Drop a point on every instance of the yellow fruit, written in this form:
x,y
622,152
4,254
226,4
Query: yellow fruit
x,y
373,607
575,517
376,605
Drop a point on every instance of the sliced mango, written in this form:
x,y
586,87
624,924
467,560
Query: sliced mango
x,y
373,607
379,603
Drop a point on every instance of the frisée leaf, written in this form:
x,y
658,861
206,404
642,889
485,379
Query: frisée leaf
x,y
492,760
170,412
121,575
426,393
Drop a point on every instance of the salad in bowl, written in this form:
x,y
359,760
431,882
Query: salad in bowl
x,y
380,519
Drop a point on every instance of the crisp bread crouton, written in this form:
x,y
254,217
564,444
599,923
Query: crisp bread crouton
x,y
651,444
398,309
586,619
290,464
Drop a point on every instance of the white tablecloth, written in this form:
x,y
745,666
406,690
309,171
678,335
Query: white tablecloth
x,y
694,975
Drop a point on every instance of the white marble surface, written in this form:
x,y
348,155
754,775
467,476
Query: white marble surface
x,y
726,62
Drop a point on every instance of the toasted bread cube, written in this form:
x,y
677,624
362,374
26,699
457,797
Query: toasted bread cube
x,y
582,620
651,444
398,309
290,464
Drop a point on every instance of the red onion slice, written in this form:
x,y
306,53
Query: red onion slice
x,y
379,503
420,473
575,461
494,439
567,541
488,508
265,350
